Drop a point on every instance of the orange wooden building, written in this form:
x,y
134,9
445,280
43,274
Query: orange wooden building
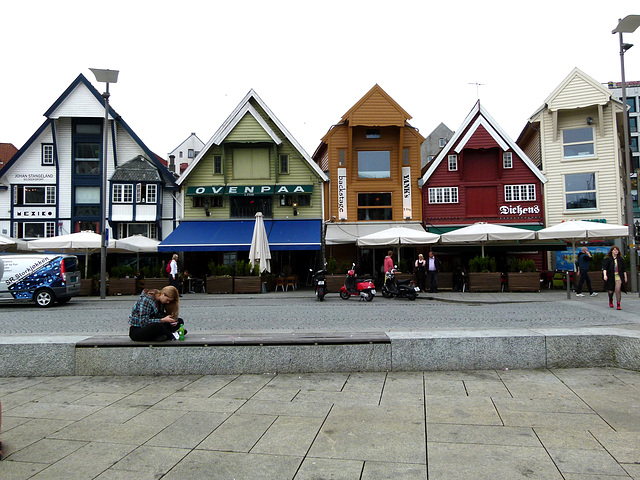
x,y
372,158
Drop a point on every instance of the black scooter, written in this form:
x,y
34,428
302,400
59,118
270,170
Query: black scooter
x,y
393,288
319,283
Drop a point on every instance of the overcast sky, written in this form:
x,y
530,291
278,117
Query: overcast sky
x,y
184,65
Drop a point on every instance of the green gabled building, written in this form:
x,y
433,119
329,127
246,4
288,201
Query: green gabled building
x,y
251,164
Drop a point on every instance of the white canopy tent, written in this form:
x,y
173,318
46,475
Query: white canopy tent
x,y
397,236
85,242
573,230
484,233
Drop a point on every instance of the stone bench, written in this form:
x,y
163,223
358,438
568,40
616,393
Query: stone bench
x,y
229,354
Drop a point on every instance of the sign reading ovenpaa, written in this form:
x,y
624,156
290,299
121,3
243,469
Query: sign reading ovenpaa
x,y
248,190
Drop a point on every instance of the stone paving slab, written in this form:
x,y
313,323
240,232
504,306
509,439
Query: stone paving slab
x,y
541,424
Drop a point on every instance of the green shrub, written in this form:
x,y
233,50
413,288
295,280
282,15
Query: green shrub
x,y
596,262
522,265
332,266
122,272
482,264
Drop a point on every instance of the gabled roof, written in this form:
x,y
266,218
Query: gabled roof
x,y
476,118
167,177
563,98
186,140
138,169
374,96
243,108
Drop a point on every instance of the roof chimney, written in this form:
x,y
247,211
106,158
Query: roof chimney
x,y
172,163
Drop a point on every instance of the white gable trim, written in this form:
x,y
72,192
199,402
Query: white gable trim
x,y
488,128
244,106
494,130
223,133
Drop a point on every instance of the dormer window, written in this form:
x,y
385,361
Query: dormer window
x,y
453,163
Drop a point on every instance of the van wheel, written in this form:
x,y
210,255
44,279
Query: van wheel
x,y
44,298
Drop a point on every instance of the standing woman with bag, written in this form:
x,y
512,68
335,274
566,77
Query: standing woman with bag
x,y
614,273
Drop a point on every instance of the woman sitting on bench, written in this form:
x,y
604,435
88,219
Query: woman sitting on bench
x,y
154,317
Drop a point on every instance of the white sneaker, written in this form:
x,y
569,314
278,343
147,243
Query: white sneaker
x,y
579,294
593,294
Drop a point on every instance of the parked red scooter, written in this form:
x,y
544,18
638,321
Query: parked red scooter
x,y
365,289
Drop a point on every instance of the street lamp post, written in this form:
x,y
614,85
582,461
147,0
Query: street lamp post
x,y
628,24
106,76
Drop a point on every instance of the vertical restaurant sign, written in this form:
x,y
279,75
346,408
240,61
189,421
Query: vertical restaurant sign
x,y
406,192
342,194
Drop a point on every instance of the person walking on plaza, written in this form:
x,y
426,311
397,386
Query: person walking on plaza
x,y
154,317
584,260
420,267
433,267
614,273
173,272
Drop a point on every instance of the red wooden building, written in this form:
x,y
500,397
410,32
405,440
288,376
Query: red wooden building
x,y
481,175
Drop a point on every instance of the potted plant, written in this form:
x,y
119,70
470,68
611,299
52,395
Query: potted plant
x,y
122,281
597,282
155,277
247,278
220,280
523,276
334,279
483,276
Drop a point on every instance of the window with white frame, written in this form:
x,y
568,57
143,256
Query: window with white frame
x,y
34,229
443,195
146,193
123,193
578,142
442,142
453,163
580,191
217,164
520,193
47,154
191,153
149,230
507,160
34,195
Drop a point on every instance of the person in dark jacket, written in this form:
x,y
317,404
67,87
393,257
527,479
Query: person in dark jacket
x,y
614,273
584,260
433,267
419,269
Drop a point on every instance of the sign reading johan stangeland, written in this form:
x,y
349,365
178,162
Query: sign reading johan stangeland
x,y
248,190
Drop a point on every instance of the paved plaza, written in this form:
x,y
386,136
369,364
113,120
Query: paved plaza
x,y
485,424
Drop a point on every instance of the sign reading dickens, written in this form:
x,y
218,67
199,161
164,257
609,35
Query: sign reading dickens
x,y
342,193
519,210
249,190
406,192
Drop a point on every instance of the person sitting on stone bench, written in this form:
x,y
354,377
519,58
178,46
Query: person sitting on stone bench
x,y
154,317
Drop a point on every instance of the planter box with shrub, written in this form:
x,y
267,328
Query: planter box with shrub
x,y
219,284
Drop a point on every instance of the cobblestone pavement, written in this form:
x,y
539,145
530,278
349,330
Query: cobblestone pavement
x,y
299,311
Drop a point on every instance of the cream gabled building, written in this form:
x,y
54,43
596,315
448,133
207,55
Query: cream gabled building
x,y
575,138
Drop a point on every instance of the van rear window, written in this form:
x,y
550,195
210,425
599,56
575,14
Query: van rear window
x,y
70,264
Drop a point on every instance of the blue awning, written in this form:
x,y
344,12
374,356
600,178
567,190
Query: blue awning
x,y
235,235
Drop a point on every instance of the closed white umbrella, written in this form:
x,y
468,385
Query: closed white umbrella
x,y
260,250
573,230
80,242
483,233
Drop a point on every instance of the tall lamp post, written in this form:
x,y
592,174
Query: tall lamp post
x,y
106,76
628,24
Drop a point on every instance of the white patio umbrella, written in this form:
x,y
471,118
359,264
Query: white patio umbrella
x,y
259,250
9,243
137,243
483,233
397,236
573,230
85,241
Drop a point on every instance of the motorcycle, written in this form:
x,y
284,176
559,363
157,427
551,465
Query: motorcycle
x,y
319,283
393,288
365,289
